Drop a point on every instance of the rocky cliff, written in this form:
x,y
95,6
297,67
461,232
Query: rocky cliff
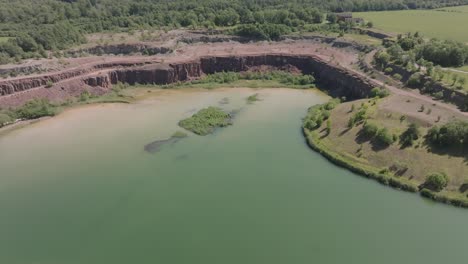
x,y
338,80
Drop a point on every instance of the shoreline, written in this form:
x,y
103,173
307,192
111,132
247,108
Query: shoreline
x,y
404,185
139,94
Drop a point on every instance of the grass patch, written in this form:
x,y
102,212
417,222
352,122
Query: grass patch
x,y
205,121
363,39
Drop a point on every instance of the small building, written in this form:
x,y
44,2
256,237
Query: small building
x,y
348,17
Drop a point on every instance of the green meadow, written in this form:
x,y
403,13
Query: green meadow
x,y
445,23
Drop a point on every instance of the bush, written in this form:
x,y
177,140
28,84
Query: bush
x,y
439,95
49,84
452,134
414,80
397,76
319,113
384,137
388,70
5,119
410,135
379,92
358,117
370,130
84,96
35,109
436,181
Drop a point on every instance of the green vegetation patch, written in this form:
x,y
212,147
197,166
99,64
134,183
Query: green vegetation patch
x,y
205,121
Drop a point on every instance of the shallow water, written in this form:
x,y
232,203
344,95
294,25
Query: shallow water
x,y
79,188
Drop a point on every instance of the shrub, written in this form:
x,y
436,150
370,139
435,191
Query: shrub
x,y
319,113
358,117
414,80
411,134
452,134
388,70
328,126
84,96
379,92
436,181
35,109
439,95
49,84
5,119
397,76
370,129
384,137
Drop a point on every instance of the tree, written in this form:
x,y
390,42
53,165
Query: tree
x,y
379,92
331,17
382,58
454,79
370,130
451,134
227,17
384,137
328,126
411,134
414,80
26,42
461,81
436,181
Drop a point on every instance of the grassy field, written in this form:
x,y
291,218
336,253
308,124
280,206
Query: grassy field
x,y
417,161
363,39
446,23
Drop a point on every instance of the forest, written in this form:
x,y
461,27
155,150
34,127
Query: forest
x,y
29,28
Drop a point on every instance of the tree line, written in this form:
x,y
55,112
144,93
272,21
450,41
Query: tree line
x,y
413,48
36,26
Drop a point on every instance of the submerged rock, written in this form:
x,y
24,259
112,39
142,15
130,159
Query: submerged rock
x,y
156,146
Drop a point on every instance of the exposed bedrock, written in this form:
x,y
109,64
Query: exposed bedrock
x,y
334,78
26,83
157,73
339,81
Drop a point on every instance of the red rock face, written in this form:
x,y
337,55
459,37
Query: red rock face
x,y
337,80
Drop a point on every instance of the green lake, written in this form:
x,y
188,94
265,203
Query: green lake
x,y
79,188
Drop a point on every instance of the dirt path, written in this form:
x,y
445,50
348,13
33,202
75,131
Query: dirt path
x,y
412,93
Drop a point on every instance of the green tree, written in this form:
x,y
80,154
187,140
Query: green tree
x,y
384,137
436,181
411,134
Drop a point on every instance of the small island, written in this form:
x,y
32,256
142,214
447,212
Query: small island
x,y
205,121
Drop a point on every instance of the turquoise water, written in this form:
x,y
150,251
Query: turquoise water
x,y
79,188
